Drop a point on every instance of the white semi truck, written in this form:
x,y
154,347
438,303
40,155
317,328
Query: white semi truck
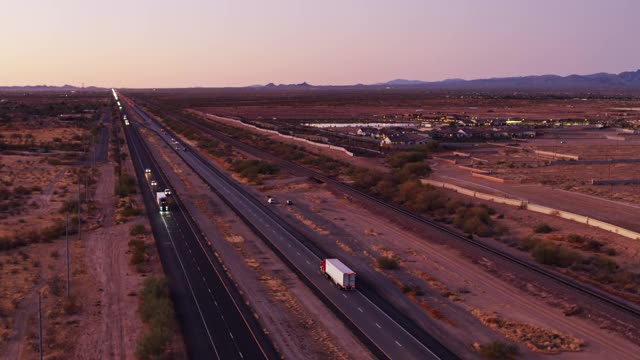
x,y
161,199
339,273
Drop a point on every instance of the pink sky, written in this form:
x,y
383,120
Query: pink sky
x,y
158,43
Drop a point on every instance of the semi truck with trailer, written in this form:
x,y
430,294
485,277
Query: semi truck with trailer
x,y
339,273
161,199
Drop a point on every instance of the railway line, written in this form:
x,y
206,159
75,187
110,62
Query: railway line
x,y
593,292
386,332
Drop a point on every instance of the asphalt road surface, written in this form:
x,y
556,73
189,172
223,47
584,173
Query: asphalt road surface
x,y
215,322
390,338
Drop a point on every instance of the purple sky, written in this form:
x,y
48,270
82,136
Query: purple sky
x,y
159,43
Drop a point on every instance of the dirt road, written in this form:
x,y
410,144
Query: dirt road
x,y
114,333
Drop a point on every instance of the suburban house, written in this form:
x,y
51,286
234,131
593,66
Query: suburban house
x,y
404,140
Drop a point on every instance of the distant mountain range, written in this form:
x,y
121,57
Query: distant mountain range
x,y
624,80
629,80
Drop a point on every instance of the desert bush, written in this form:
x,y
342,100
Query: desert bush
x,y
387,263
411,171
137,229
549,253
453,205
593,245
575,238
138,250
497,350
398,159
69,206
131,211
542,228
22,190
153,344
125,185
5,193
364,178
56,285
70,306
250,169
156,310
474,220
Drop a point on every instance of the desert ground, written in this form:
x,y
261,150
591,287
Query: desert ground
x,y
44,167
448,289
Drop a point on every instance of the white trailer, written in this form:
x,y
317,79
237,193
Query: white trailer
x,y
161,199
339,273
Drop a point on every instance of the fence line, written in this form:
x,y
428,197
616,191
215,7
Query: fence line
x,y
523,204
241,123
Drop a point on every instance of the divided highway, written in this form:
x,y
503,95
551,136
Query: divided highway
x,y
382,333
215,321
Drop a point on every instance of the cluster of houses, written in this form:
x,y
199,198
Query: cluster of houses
x,y
405,137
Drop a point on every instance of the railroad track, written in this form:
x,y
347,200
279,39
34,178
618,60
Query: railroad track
x,y
591,291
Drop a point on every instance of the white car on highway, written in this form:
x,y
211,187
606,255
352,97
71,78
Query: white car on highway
x,y
154,183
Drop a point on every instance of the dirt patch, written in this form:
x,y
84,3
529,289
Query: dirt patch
x,y
308,222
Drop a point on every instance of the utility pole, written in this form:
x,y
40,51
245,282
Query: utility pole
x,y
79,205
68,265
86,188
40,324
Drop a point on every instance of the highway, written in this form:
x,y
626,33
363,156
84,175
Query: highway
x,y
383,334
615,304
215,321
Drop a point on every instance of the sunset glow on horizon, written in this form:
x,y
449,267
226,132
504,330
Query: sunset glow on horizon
x,y
158,43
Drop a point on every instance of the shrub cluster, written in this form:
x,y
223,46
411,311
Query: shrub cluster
x,y
542,229
138,250
474,219
497,350
137,229
156,310
125,185
251,169
387,263
44,235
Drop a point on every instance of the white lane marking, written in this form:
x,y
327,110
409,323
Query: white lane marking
x,y
345,295
379,327
360,310
308,262
398,343
184,271
230,334
298,253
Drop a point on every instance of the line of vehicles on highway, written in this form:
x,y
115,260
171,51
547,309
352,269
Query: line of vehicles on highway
x,y
162,197
335,270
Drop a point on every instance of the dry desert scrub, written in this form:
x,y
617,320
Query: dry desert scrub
x,y
535,338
